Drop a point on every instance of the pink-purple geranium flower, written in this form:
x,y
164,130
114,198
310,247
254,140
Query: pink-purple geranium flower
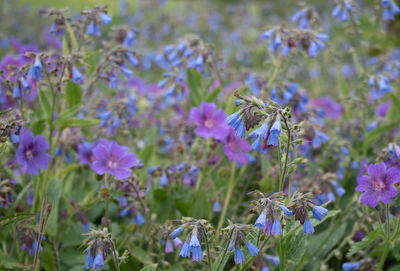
x,y
32,152
114,159
378,185
210,121
236,148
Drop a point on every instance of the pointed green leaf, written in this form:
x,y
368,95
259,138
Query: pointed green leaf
x,y
73,93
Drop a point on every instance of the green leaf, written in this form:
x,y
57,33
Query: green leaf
x,y
141,255
394,110
296,247
70,112
5,112
7,263
372,236
72,37
73,93
39,126
150,267
372,137
195,84
6,220
219,263
65,46
213,95
54,193
79,123
48,260
44,102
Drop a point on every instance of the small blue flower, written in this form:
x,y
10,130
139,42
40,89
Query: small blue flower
x,y
308,227
261,221
319,212
268,34
164,179
275,133
25,85
16,92
176,233
132,60
76,76
93,29
185,250
35,71
195,248
253,250
139,219
89,260
285,210
319,139
351,266
239,256
86,226
276,227
260,132
98,262
106,18
230,247
217,207
273,259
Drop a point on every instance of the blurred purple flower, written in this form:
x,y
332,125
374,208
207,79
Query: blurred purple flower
x,y
211,122
332,109
236,148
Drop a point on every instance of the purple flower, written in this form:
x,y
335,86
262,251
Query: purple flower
x,y
378,185
332,109
236,148
114,159
168,246
211,122
85,153
32,152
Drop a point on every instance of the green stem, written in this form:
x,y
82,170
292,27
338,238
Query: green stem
x,y
281,255
228,195
387,220
282,177
383,258
106,199
207,247
225,250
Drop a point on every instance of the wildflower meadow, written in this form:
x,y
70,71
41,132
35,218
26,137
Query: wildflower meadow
x,y
213,135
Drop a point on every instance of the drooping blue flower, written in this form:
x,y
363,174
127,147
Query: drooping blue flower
x,y
351,266
93,29
276,227
195,248
239,256
185,250
261,221
105,18
25,85
216,207
76,76
230,247
164,179
132,59
308,227
273,259
89,260
275,133
268,34
176,233
253,250
16,92
98,262
319,139
139,219
35,72
319,212
260,132
285,210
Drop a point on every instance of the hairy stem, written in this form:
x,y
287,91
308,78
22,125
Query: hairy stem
x,y
228,195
